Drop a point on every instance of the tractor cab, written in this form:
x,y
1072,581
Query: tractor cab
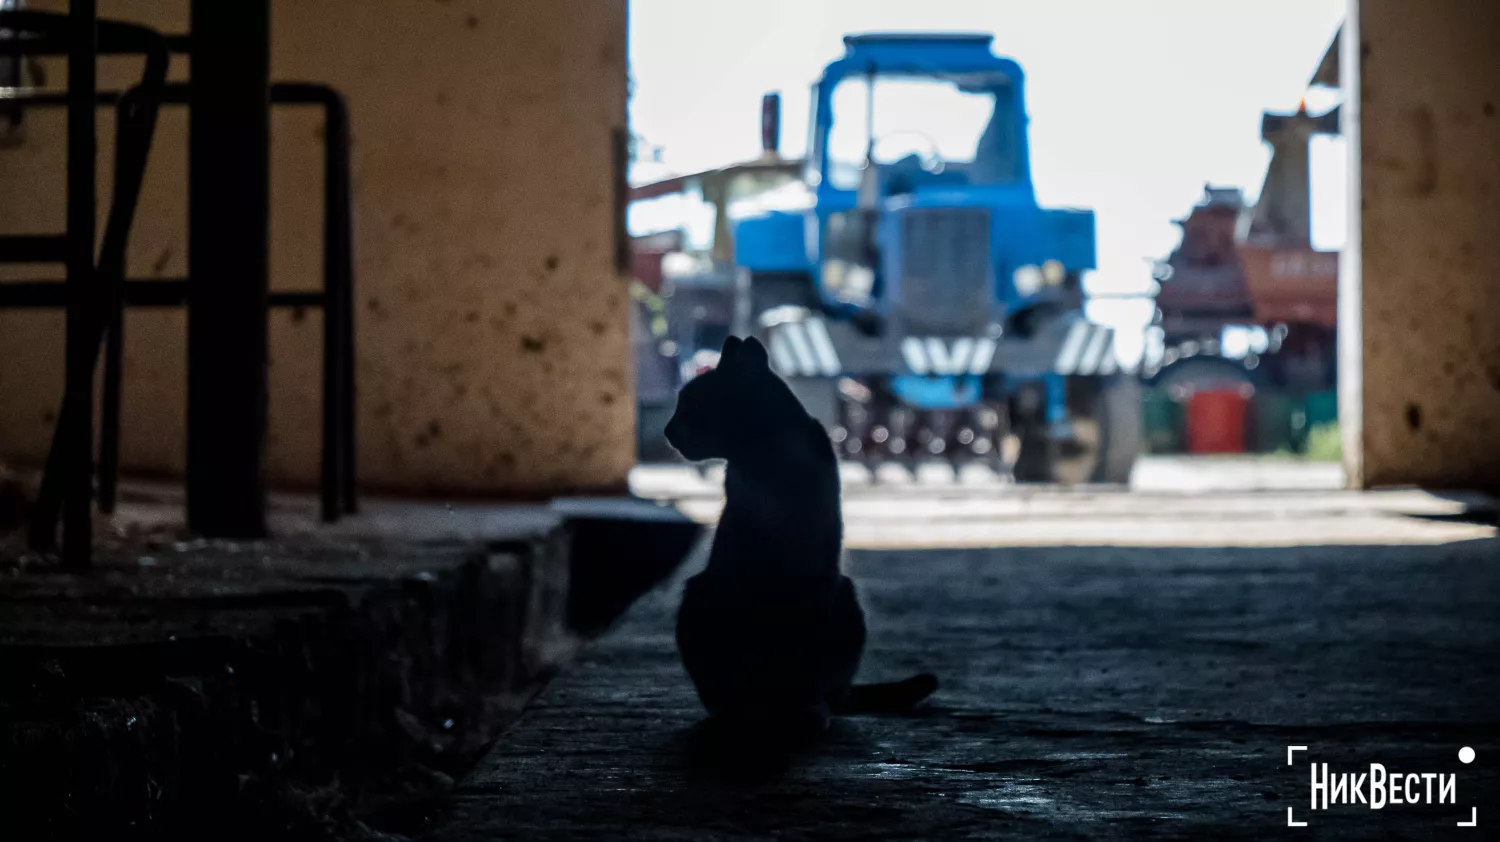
x,y
926,136
920,303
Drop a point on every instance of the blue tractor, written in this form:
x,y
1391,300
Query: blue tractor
x,y
918,300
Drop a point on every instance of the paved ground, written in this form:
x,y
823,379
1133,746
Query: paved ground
x,y
1088,690
1174,502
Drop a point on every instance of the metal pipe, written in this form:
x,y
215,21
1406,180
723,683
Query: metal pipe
x,y
67,482
333,318
339,443
34,248
77,434
109,413
156,292
338,456
339,239
89,319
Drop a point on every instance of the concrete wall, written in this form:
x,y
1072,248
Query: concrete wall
x,y
1428,158
493,344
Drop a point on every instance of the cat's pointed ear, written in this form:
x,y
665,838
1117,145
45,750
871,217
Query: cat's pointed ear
x,y
755,353
731,349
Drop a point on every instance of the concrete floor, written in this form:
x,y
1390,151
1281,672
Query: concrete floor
x,y
1113,665
1173,502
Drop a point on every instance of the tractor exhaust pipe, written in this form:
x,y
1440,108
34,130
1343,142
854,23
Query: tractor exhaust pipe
x,y
770,125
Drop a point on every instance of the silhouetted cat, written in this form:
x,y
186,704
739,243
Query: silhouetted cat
x,y
771,631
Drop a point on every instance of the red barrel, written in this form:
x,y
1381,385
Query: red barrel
x,y
1216,422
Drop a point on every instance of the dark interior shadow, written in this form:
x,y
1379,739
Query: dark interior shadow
x,y
616,556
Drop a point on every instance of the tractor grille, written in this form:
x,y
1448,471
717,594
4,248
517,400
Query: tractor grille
x,y
946,279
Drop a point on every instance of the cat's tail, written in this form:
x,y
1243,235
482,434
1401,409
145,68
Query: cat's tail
x,y
889,697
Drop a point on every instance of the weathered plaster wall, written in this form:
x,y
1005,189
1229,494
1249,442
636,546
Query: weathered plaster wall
x,y
1430,184
493,344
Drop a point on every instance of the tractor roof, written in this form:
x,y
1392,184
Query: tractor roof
x,y
920,53
983,39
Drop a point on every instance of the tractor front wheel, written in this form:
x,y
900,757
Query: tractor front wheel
x,y
1105,417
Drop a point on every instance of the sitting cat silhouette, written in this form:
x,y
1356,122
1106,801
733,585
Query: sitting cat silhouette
x,y
771,631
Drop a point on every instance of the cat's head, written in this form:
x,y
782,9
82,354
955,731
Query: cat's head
x,y
722,411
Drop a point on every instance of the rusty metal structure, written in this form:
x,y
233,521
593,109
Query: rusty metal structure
x,y
1255,266
697,285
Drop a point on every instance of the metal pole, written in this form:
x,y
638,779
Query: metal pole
x,y
332,329
78,446
339,303
228,259
109,410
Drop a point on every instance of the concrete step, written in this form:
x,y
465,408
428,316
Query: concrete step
x,y
298,686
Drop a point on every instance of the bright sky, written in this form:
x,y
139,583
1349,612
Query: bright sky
x,y
1133,105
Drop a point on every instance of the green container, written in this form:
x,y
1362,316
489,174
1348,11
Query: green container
x,y
1274,427
1322,408
1162,420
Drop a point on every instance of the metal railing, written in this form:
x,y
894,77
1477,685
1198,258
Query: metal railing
x,y
96,298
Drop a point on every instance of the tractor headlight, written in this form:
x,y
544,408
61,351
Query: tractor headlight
x,y
833,275
1028,280
859,283
1053,273
848,281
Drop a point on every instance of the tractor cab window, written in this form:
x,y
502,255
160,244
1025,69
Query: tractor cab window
x,y
955,128
810,172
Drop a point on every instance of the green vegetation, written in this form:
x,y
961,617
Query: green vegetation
x,y
1325,443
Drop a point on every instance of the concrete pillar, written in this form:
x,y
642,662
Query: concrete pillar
x,y
494,350
1421,282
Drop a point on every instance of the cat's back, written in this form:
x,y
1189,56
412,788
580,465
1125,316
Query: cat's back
x,y
786,503
795,638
